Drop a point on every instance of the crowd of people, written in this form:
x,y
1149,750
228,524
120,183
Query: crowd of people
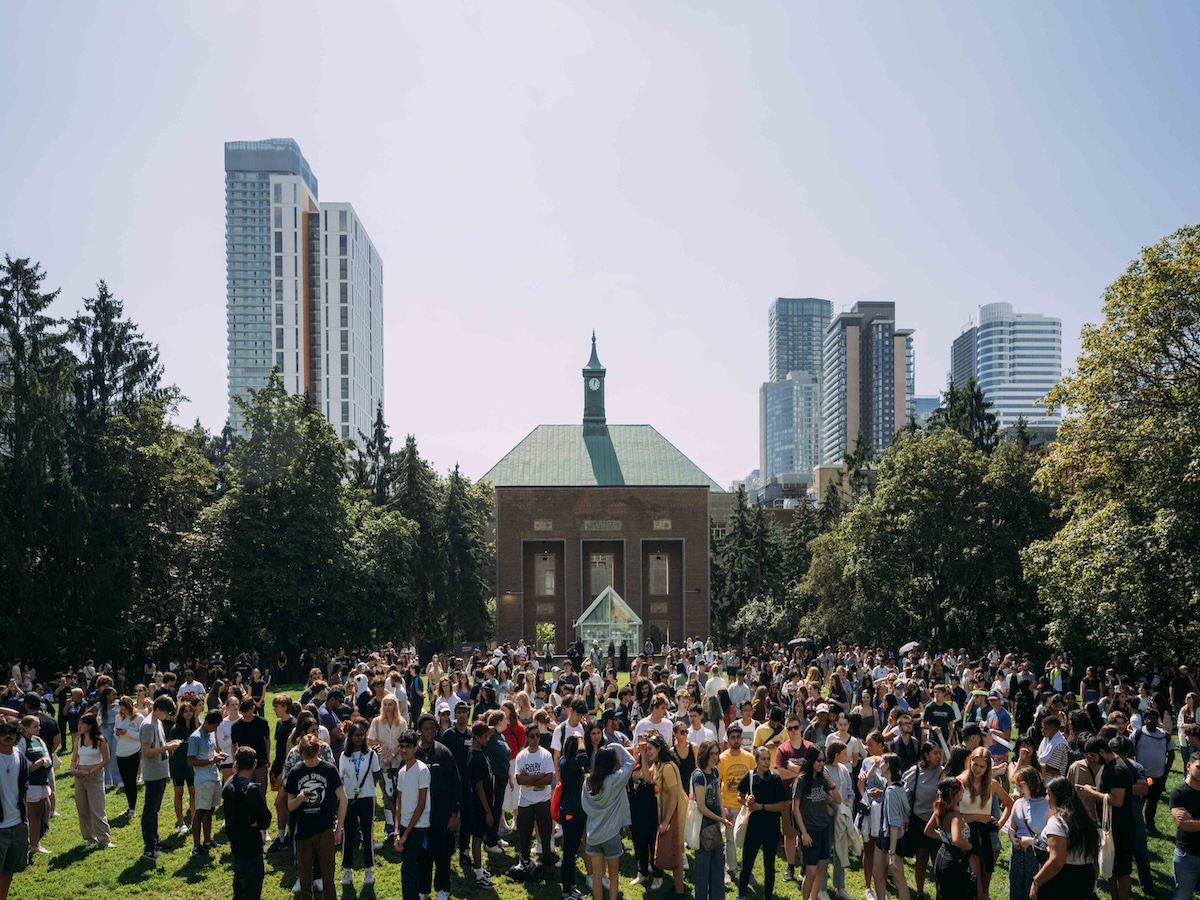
x,y
833,756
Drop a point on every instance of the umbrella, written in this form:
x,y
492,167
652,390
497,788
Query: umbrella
x,y
802,641
909,647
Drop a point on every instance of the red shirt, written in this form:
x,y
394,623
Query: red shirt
x,y
786,751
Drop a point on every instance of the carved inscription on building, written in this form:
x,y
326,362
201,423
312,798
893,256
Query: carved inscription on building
x,y
543,525
662,524
602,525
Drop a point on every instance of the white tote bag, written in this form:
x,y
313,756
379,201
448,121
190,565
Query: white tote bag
x,y
1108,850
691,826
743,818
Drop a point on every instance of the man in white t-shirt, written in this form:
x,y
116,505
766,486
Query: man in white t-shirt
x,y
412,813
224,737
14,832
191,687
574,724
534,768
698,732
739,691
656,721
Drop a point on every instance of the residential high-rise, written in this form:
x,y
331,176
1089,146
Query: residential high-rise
x,y
868,383
796,334
790,402
1015,358
304,288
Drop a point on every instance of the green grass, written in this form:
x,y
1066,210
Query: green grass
x,y
71,872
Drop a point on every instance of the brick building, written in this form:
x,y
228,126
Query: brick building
x,y
581,508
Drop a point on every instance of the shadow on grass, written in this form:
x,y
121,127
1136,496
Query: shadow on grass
x,y
198,868
69,857
137,871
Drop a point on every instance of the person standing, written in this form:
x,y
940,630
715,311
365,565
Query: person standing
x,y
1154,748
87,765
814,796
605,805
315,793
156,770
762,792
358,769
445,800
951,871
251,730
1116,786
1073,842
732,767
127,729
706,788
1185,807
412,815
204,758
534,767
477,806
246,820
14,784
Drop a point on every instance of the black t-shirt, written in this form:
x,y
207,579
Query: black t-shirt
x,y
479,772
459,745
765,789
283,731
368,706
47,729
1118,774
939,715
320,812
1187,797
256,734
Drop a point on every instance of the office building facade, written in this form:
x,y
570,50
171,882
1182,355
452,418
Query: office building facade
x,y
1015,358
304,289
790,401
868,383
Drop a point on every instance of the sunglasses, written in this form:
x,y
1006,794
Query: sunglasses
x,y
793,728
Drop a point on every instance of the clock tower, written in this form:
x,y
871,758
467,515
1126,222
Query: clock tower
x,y
593,395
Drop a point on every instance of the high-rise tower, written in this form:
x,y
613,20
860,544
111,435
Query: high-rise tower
x,y
304,288
790,402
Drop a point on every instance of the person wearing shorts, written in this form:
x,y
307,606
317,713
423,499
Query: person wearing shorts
x,y
609,849
14,832
477,807
204,758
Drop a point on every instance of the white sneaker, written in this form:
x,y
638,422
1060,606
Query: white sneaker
x,y
443,895
368,876
347,878
637,879
588,880
729,880
182,829
870,894
844,894
319,885
656,884
685,862
498,847
822,895
296,887
378,845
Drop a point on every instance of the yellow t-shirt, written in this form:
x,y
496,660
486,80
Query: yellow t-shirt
x,y
731,769
764,732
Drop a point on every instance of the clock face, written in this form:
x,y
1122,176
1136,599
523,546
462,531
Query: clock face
x,y
594,384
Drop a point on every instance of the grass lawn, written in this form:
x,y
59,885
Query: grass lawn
x,y
72,872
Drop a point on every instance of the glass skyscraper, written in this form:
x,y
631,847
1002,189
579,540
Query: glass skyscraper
x,y
790,402
304,288
1016,358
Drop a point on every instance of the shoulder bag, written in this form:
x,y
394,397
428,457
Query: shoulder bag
x,y
1108,850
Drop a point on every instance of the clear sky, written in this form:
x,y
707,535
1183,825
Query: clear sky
x,y
658,171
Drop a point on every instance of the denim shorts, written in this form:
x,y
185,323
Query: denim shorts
x,y
610,849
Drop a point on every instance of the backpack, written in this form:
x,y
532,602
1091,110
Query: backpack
x,y
1152,752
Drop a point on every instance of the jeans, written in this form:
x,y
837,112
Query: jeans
x,y
435,865
1187,874
112,775
762,835
1141,851
710,874
320,847
128,767
248,873
360,821
1153,794
150,807
415,847
573,830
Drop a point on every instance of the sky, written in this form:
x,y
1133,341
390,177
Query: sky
x,y
657,171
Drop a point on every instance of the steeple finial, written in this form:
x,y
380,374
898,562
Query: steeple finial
x,y
594,362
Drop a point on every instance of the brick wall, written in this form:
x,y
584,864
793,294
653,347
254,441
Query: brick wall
x,y
628,521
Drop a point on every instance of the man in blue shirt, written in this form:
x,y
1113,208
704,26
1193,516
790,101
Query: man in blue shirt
x,y
203,757
999,723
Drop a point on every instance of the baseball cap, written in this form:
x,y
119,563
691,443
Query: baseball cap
x,y
32,699
971,729
461,704
822,707
608,714
994,695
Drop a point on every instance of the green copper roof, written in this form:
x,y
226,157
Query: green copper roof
x,y
594,362
562,456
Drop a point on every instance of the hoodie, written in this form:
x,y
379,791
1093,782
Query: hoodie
x,y
608,811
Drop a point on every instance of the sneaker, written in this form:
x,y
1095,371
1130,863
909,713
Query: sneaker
x,y
209,845
482,879
685,862
588,881
319,885
499,847
40,849
870,894
789,874
109,846
729,880
347,878
844,894
149,855
277,846
296,887
378,845
822,895
443,895
199,851
182,829
368,876
605,882
464,860
639,878
656,884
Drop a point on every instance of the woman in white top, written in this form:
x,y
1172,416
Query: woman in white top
x,y
1027,821
1069,873
358,767
443,696
87,765
855,750
129,750
837,767
384,739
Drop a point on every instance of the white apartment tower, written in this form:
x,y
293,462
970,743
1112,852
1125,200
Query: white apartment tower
x,y
304,288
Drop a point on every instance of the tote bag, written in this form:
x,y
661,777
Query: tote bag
x,y
743,819
691,826
1108,850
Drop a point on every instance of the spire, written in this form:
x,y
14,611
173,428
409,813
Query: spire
x,y
594,362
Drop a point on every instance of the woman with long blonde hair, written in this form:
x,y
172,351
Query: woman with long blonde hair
x,y
979,787
384,738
